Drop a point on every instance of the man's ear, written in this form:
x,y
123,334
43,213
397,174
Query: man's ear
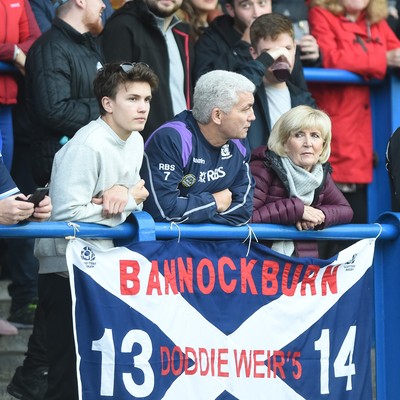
x,y
80,3
107,104
216,116
230,10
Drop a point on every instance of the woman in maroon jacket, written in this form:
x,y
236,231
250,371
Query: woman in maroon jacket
x,y
293,179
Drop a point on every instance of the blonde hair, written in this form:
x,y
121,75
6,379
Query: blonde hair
x,y
296,120
377,10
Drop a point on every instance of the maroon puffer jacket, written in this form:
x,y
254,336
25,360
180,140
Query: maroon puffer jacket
x,y
272,204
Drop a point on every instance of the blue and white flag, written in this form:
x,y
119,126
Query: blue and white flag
x,y
192,319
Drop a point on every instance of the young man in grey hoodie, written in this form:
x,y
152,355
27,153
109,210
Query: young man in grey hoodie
x,y
95,178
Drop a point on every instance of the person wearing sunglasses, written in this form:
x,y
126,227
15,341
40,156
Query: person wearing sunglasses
x,y
95,178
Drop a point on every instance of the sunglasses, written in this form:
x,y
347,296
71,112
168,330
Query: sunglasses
x,y
128,67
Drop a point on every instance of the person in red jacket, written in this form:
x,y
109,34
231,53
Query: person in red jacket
x,y
18,30
352,35
293,181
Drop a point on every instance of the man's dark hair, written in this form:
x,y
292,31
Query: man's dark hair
x,y
111,76
270,26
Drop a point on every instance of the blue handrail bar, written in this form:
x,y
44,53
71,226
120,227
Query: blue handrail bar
x,y
7,67
162,231
63,229
269,232
332,75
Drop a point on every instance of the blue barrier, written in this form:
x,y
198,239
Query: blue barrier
x,y
386,271
144,228
333,76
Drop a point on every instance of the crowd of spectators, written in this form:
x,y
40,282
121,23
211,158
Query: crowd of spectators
x,y
57,48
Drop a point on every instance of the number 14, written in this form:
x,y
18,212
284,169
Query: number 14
x,y
345,355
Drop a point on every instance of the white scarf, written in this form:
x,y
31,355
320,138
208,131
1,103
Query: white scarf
x,y
302,184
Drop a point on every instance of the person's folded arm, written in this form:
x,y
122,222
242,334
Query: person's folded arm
x,y
163,172
240,210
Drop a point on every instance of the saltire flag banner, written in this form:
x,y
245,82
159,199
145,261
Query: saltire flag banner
x,y
202,320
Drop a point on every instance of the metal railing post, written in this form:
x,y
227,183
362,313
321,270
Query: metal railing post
x,y
387,314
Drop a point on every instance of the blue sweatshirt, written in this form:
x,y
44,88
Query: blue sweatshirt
x,y
182,170
7,185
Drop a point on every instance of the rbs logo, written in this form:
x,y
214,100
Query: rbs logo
x,y
212,175
166,167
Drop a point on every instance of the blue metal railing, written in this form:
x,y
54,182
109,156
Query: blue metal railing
x,y
333,76
163,231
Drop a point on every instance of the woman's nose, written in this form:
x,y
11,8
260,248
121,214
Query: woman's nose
x,y
307,140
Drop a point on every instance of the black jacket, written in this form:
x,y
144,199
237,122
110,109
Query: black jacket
x,y
393,167
260,129
221,47
131,34
60,68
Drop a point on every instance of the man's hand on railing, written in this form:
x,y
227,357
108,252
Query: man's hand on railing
x,y
312,217
113,200
223,200
139,192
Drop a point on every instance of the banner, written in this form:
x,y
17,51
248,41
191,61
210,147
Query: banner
x,y
192,319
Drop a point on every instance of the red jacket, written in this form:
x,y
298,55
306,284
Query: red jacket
x,y
18,26
347,45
